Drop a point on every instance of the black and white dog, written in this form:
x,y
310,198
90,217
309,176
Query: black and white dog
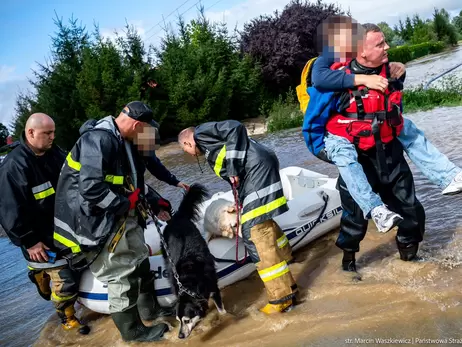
x,y
193,261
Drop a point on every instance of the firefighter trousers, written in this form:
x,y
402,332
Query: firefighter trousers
x,y
63,288
270,250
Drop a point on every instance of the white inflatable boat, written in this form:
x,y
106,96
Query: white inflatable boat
x,y
314,210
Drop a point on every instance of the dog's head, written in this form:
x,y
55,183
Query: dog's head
x,y
189,313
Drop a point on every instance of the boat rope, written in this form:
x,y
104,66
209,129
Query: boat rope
x,y
238,209
441,75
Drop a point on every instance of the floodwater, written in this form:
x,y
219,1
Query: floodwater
x,y
395,303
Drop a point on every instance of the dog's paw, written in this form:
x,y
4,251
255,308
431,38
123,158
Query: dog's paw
x,y
222,311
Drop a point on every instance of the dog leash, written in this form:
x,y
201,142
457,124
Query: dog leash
x,y
236,201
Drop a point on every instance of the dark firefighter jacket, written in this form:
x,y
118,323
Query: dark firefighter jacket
x,y
230,152
28,184
92,191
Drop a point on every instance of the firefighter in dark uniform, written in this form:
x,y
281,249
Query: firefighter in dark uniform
x,y
28,177
96,203
254,170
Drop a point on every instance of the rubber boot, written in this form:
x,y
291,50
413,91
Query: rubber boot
x,y
349,265
148,306
69,321
132,328
349,261
407,251
282,307
42,282
150,309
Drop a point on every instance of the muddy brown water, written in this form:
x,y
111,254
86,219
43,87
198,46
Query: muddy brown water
x,y
396,303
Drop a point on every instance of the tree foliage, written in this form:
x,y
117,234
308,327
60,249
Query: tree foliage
x,y
200,73
284,42
205,77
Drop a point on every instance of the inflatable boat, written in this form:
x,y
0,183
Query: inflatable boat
x,y
314,210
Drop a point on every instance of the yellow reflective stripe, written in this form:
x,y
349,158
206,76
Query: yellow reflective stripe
x,y
263,209
61,298
219,161
44,194
119,180
274,271
30,267
75,248
282,241
72,163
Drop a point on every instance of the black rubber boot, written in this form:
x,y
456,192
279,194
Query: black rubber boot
x,y
148,306
407,251
349,265
349,261
132,328
150,309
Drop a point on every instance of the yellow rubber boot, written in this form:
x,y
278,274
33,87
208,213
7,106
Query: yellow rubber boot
x,y
70,322
285,306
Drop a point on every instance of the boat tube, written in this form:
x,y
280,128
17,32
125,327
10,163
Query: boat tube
x,y
314,210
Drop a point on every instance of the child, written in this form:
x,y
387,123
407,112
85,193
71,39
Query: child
x,y
345,38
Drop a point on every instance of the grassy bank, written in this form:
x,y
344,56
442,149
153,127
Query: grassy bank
x,y
285,113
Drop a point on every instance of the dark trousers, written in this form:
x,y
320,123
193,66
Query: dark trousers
x,y
396,191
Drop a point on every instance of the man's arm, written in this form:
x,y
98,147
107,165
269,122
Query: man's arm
x,y
97,151
333,80
158,170
234,134
15,207
336,80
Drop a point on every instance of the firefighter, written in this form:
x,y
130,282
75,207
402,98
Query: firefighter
x,y
97,202
28,176
254,170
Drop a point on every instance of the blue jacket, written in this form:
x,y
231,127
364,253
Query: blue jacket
x,y
326,84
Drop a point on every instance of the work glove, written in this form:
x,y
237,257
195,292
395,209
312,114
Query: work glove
x,y
133,198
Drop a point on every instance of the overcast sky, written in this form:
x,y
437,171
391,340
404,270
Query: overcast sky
x,y
26,25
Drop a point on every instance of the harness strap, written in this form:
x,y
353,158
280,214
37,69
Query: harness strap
x,y
361,114
380,115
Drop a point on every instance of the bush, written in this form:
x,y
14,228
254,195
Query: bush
x,y
407,53
285,114
283,43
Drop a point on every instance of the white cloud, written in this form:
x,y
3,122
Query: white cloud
x,y
110,32
7,73
10,84
362,10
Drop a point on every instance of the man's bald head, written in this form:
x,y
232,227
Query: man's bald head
x,y
40,132
187,142
38,120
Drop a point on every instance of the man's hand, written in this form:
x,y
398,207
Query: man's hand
x,y
37,253
183,185
397,70
372,82
235,180
163,216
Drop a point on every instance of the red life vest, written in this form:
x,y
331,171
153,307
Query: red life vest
x,y
372,117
